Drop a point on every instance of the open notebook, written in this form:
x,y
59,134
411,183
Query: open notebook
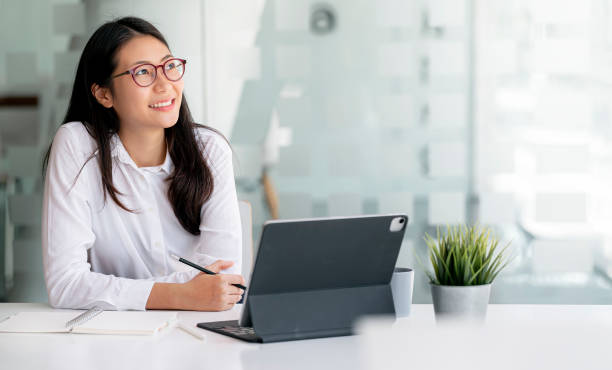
x,y
89,322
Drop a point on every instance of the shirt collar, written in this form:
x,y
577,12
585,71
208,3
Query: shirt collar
x,y
167,166
118,151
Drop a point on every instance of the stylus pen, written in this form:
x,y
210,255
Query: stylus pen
x,y
189,330
206,271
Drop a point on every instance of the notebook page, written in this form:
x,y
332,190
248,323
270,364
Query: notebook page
x,y
38,322
127,322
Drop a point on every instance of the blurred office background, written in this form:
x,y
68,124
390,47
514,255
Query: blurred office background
x,y
452,111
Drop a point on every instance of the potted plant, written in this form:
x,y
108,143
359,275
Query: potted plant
x,y
465,262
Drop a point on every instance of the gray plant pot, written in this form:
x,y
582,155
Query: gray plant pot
x,y
460,302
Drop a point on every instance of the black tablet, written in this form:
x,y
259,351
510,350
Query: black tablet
x,y
315,277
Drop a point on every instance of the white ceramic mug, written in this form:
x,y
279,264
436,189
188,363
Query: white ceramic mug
x,y
402,284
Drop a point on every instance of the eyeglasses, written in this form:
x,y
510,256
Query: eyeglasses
x,y
145,74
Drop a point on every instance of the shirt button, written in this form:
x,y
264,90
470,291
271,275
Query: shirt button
x,y
150,209
157,244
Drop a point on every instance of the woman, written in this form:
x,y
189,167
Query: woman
x,y
130,180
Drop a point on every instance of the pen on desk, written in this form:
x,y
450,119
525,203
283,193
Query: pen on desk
x,y
204,270
190,331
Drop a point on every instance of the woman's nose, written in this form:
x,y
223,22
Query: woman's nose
x,y
161,81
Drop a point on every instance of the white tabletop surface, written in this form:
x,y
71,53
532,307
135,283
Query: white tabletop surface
x,y
413,340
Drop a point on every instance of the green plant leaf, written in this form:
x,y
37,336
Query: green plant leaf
x,y
465,255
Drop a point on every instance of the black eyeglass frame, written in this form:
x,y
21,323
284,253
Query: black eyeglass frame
x,y
132,71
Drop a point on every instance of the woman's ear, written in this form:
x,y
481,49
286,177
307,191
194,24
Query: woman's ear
x,y
103,95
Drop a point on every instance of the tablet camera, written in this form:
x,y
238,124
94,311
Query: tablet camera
x,y
397,224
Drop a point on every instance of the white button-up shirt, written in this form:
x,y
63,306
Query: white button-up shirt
x,y
96,253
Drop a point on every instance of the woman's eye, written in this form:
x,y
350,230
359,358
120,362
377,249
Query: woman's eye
x,y
140,72
170,66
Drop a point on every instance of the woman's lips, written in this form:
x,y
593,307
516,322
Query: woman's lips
x,y
164,108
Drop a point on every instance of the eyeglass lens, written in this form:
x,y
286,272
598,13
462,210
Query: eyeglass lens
x,y
146,74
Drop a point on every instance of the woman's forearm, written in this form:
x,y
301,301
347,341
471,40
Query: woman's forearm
x,y
202,293
165,296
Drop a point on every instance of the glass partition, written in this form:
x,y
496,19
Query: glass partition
x,y
451,111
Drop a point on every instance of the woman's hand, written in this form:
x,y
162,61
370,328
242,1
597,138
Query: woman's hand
x,y
202,293
212,292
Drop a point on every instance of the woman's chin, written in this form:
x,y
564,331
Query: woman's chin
x,y
169,123
166,122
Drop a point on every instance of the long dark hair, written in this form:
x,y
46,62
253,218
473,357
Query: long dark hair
x,y
191,181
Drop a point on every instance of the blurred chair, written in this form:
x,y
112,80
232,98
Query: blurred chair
x,y
246,221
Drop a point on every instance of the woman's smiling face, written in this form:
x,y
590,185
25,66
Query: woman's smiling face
x,y
154,106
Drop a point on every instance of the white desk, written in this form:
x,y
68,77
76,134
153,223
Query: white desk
x,y
411,341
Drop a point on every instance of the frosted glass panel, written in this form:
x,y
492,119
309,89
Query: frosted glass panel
x,y
24,161
244,63
541,133
560,11
69,19
551,207
562,158
496,111
447,58
18,126
292,61
565,108
397,203
448,110
446,208
65,65
396,13
295,112
502,54
396,110
496,157
396,60
295,205
553,56
294,161
399,160
340,111
291,14
247,161
452,111
497,208
278,137
562,256
346,160
447,159
344,204
406,257
446,12
21,69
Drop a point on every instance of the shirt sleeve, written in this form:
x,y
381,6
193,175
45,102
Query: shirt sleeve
x,y
220,227
67,234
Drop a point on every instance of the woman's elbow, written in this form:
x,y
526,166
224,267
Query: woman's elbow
x,y
59,291
57,297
